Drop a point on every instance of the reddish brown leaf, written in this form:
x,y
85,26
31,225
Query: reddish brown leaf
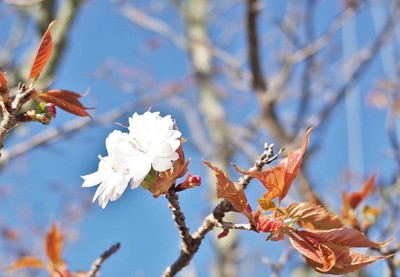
x,y
226,189
347,260
3,84
356,197
313,216
266,223
54,245
26,262
43,54
66,100
344,236
168,178
165,180
273,179
278,179
329,252
292,164
317,255
345,205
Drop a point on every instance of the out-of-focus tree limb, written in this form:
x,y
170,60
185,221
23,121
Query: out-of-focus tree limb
x,y
258,80
199,46
355,67
162,28
52,134
259,83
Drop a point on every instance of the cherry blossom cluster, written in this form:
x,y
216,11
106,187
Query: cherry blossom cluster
x,y
150,144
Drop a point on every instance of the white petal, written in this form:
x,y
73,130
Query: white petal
x,y
161,164
103,171
135,184
139,168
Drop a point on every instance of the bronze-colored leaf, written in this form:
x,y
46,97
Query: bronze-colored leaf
x,y
313,216
3,84
292,164
43,54
273,179
54,245
344,236
278,179
226,189
317,255
267,223
356,197
347,260
26,262
64,99
328,251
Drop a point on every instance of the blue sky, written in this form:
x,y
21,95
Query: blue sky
x,y
46,179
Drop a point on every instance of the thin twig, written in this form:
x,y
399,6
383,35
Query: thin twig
x,y
97,263
191,243
178,216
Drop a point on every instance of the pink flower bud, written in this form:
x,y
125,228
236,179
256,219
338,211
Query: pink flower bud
x,y
191,181
50,110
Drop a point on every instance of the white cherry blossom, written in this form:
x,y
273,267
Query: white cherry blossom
x,y
151,143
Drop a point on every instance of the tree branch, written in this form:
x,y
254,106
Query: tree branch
x,y
259,83
96,265
191,243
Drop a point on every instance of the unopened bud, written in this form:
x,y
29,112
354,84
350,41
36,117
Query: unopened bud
x,y
27,116
50,110
43,119
191,181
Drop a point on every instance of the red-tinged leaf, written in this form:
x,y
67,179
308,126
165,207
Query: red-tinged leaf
x,y
168,178
273,180
223,234
317,255
43,54
64,99
346,261
292,164
329,252
165,180
226,189
266,223
54,245
26,262
3,84
345,205
313,217
356,197
344,236
278,179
